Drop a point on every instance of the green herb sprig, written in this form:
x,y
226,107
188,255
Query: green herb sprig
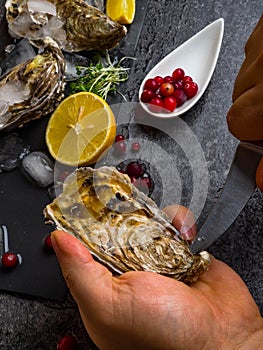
x,y
101,78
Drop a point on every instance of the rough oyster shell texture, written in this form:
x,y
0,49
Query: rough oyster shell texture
x,y
121,226
33,88
74,24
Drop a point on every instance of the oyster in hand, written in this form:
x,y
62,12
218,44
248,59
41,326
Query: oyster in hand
x,y
33,88
74,24
121,226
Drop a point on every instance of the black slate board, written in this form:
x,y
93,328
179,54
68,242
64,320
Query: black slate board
x,y
22,204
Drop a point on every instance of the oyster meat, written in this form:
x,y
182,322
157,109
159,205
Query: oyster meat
x,y
74,24
32,89
121,226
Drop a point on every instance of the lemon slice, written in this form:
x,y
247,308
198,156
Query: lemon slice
x,y
121,11
80,130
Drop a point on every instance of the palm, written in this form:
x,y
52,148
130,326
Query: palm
x,y
170,311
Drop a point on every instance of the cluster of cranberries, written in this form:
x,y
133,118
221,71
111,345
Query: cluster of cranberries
x,y
140,178
164,94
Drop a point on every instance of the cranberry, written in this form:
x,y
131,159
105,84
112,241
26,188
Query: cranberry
x,y
186,79
67,343
166,89
119,138
63,176
178,74
190,89
119,148
48,243
178,85
147,180
135,147
168,79
156,105
147,96
9,260
141,185
134,169
169,103
180,97
150,84
159,80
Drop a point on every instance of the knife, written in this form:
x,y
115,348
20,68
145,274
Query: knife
x,y
238,188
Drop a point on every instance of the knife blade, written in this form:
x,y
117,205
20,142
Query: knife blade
x,y
238,188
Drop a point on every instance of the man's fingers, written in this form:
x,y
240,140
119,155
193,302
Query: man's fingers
x,y
183,219
245,118
259,175
88,281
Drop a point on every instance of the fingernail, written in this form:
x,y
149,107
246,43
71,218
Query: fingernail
x,y
187,232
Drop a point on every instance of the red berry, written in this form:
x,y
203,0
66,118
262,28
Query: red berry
x,y
119,138
156,105
178,85
141,185
166,89
119,148
147,180
134,169
9,259
186,79
190,89
147,96
63,176
168,79
169,103
178,74
135,147
67,343
150,84
159,80
48,243
180,97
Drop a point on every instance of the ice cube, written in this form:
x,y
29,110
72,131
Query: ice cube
x,y
96,3
21,53
14,92
43,6
72,61
12,150
38,168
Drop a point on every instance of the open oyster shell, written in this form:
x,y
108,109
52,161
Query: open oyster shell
x,y
32,89
121,226
74,24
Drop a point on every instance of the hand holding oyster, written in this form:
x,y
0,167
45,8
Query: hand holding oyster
x,y
121,226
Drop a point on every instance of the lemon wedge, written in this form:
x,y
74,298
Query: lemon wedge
x,y
81,129
122,11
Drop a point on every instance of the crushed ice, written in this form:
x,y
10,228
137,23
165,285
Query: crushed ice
x,y
12,150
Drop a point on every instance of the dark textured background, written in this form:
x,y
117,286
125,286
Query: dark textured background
x,y
33,324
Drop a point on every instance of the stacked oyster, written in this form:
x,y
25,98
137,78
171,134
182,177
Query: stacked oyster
x,y
37,85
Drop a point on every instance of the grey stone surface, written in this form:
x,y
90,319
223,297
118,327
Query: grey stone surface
x,y
32,324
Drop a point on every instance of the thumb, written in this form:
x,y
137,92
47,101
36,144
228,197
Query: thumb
x,y
84,276
259,175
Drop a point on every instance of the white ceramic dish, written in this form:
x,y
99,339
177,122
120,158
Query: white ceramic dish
x,y
198,57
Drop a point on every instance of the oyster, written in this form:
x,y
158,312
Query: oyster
x,y
33,88
121,226
74,24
